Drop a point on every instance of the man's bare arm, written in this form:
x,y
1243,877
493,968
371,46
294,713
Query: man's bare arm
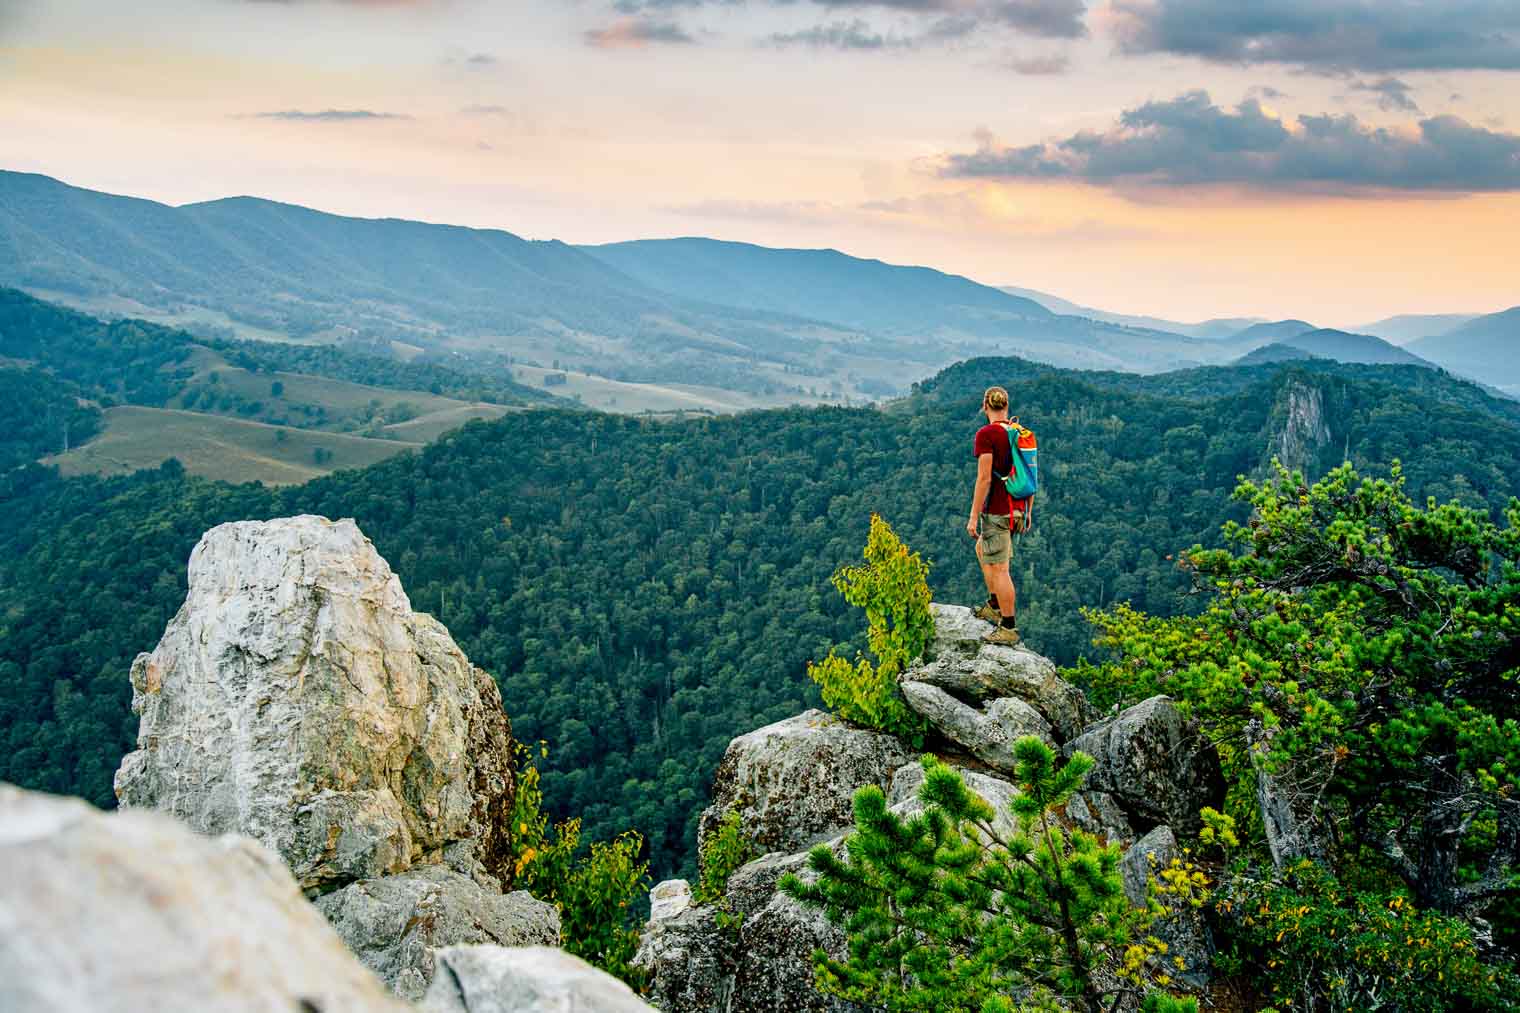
x,y
979,496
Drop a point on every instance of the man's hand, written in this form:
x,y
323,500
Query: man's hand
x,y
971,526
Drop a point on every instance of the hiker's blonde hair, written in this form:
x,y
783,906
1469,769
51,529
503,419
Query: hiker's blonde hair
x,y
996,398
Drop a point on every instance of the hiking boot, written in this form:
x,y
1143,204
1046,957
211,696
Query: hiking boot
x,y
989,612
1003,635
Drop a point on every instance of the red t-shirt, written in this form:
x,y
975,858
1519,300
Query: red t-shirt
x,y
993,439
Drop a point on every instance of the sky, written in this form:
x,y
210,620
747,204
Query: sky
x,y
1335,160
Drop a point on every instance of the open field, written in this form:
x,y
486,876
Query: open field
x,y
232,450
427,428
113,307
341,398
622,398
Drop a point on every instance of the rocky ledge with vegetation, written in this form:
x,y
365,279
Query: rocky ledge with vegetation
x,y
322,750
1301,793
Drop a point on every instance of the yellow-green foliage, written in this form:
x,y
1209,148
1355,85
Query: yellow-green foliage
x,y
723,852
893,589
593,888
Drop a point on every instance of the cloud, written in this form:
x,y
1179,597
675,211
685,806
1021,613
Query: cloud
x,y
1392,94
856,35
938,21
1328,36
636,33
1190,141
328,115
485,110
1053,63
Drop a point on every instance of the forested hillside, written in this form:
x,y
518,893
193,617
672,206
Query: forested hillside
x,y
645,590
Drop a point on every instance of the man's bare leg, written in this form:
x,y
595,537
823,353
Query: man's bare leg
x,y
1000,585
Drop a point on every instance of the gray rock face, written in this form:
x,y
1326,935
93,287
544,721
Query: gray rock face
x,y
1097,813
1156,766
1182,929
528,979
793,781
690,962
396,923
958,660
764,963
296,698
669,899
988,732
131,911
994,791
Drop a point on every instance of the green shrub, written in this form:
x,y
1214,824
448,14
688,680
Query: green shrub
x,y
893,589
945,911
593,887
724,851
1306,935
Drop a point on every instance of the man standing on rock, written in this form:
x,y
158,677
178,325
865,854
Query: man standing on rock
x,y
993,450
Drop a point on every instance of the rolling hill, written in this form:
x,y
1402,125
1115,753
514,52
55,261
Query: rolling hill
x,y
823,285
1273,330
1275,352
1328,343
1486,348
782,325
280,270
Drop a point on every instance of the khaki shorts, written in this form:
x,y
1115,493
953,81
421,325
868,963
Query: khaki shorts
x,y
995,545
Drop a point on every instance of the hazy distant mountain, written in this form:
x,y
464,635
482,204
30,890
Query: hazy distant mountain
x,y
821,284
1275,352
1343,346
1210,329
1275,330
1486,348
1409,327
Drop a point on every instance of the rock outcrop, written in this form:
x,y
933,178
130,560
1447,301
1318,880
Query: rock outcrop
x,y
297,699
989,731
395,924
1182,928
1156,765
792,783
130,911
959,661
528,979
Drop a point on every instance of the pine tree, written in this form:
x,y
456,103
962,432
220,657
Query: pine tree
x,y
948,910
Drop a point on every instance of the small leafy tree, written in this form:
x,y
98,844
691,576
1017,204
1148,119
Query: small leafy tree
x,y
893,589
593,887
945,910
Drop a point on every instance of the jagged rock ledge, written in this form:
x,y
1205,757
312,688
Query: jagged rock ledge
x,y
792,782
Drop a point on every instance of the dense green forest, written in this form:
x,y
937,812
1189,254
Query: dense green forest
x,y
643,590
40,415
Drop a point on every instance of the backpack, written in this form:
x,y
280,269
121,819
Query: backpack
x,y
1023,481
